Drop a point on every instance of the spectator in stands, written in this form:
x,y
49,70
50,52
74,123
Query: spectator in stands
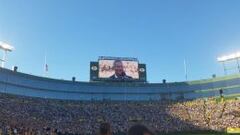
x,y
105,129
119,71
36,116
139,130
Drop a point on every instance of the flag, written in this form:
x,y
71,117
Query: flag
x,y
46,67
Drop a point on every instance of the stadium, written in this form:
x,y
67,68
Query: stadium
x,y
119,67
39,105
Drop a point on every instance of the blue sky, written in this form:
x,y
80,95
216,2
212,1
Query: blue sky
x,y
160,33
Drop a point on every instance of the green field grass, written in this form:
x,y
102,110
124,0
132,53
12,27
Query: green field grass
x,y
195,134
204,133
201,133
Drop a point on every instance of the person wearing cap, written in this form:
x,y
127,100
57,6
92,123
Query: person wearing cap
x,y
139,130
105,129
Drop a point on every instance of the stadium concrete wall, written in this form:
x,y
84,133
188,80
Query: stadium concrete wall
x,y
34,86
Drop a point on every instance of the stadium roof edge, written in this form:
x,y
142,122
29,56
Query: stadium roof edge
x,y
222,78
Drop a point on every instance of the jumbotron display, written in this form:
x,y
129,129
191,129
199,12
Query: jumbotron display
x,y
117,69
121,69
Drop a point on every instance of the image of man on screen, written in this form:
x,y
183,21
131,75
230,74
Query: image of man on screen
x,y
119,71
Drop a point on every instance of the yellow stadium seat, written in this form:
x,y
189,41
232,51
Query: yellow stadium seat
x,y
233,130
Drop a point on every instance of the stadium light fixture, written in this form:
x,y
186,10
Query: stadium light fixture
x,y
6,48
230,57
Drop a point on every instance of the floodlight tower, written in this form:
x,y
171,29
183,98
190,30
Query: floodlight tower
x,y
6,48
231,57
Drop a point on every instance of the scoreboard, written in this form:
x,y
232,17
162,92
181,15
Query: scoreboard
x,y
120,69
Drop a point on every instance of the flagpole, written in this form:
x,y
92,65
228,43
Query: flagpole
x,y
185,69
45,65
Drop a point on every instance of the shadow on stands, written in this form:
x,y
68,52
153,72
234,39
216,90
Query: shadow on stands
x,y
26,115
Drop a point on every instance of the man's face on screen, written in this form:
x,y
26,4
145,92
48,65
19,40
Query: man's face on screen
x,y
118,68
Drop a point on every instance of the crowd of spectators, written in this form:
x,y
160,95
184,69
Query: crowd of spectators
x,y
36,116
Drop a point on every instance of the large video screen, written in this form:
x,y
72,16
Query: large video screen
x,y
118,69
